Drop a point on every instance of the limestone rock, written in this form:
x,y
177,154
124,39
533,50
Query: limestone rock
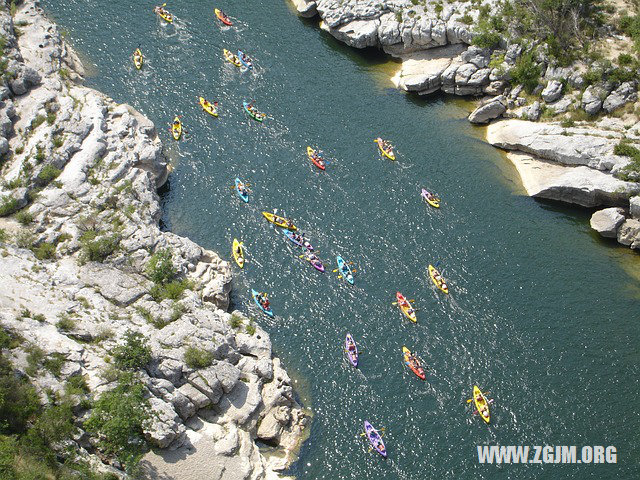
x,y
552,92
634,207
629,233
607,221
627,92
488,111
592,100
306,8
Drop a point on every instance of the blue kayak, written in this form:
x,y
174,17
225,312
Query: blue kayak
x,y
292,236
344,269
246,61
244,196
255,294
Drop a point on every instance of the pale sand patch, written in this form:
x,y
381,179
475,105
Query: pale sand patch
x,y
536,175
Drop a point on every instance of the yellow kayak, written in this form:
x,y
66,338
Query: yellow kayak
x,y
482,405
176,128
138,58
238,252
387,152
208,107
231,58
437,279
279,221
430,198
163,14
406,308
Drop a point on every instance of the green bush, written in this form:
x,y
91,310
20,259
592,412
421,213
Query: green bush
x,y
118,420
48,174
66,323
24,217
51,118
35,357
134,354
160,268
197,358
54,363
57,141
625,59
18,400
251,329
526,72
8,205
487,40
172,290
97,246
466,19
3,236
36,122
76,385
235,321
45,251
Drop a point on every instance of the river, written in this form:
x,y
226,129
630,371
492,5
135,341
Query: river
x,y
542,313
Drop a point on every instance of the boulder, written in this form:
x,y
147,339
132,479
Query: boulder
x,y
489,111
561,106
269,429
627,92
634,207
607,221
165,426
592,100
552,92
480,57
306,8
629,233
532,112
512,54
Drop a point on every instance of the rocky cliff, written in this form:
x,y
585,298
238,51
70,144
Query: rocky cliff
x,y
79,222
566,124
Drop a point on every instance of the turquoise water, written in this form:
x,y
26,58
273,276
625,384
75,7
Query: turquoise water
x,y
542,312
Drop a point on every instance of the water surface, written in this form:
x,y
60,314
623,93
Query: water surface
x,y
542,312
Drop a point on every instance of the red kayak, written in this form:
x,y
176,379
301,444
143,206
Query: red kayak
x,y
411,361
223,17
317,160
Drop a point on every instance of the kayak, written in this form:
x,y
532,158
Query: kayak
x,y
344,269
481,405
439,282
138,58
315,158
231,58
208,107
238,252
406,308
304,243
222,17
388,152
413,365
352,355
375,439
244,196
255,294
176,128
246,61
279,221
253,113
314,261
434,201
163,14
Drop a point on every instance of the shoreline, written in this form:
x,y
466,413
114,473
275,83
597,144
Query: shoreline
x,y
574,163
78,251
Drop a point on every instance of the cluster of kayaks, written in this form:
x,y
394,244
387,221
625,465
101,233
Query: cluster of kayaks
x,y
291,233
240,59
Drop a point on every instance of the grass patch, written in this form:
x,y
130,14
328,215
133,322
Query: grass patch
x,y
235,321
197,358
8,205
48,174
65,323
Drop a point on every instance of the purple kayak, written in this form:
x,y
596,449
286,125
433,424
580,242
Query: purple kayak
x,y
314,261
351,350
374,439
296,239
